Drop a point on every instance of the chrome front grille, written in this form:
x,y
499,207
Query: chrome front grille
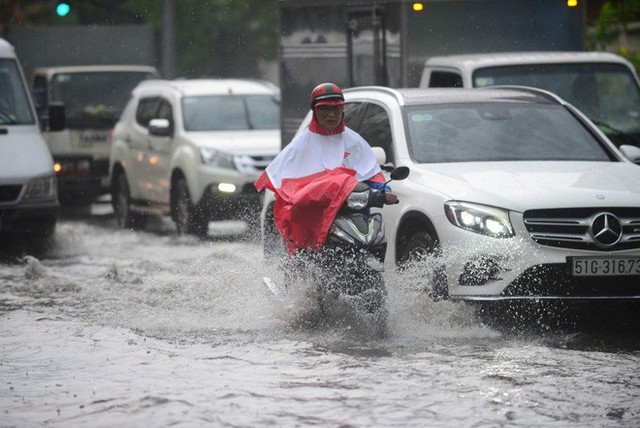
x,y
599,229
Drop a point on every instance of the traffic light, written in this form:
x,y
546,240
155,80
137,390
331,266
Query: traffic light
x,y
63,9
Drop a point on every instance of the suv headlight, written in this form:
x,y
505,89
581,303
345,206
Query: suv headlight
x,y
482,219
358,200
217,158
41,188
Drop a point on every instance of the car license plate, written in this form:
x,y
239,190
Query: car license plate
x,y
605,266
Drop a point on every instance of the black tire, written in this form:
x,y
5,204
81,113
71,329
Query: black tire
x,y
188,220
121,202
417,248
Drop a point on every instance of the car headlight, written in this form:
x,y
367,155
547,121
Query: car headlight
x,y
358,200
41,188
217,158
481,219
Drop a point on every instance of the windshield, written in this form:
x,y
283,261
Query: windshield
x,y
498,132
94,100
14,101
230,112
607,93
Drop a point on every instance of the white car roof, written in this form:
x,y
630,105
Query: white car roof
x,y
6,49
474,61
189,87
95,68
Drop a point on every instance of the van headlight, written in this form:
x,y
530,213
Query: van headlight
x,y
358,200
217,158
482,219
41,188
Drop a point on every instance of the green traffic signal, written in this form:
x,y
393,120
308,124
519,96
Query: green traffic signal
x,y
63,9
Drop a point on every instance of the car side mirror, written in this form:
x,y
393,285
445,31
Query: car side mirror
x,y
160,127
56,117
631,152
400,173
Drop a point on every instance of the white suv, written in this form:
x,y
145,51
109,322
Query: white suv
x,y
512,194
193,148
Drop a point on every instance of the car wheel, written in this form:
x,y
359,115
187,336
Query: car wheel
x,y
121,201
417,248
188,220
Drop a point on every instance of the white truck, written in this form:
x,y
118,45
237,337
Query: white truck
x,y
93,97
602,85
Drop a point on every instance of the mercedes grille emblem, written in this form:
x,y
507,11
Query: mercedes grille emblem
x,y
606,229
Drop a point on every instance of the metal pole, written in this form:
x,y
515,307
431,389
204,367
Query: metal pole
x,y
169,39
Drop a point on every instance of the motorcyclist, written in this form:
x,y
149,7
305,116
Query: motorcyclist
x,y
313,175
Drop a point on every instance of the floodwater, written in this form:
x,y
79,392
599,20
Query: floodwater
x,y
107,328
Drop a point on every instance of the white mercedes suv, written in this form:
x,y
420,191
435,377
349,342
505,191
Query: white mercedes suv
x,y
192,149
512,194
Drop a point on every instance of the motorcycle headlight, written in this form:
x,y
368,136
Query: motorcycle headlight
x,y
41,188
217,158
482,219
358,200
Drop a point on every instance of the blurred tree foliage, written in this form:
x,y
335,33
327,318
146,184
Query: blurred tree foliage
x,y
213,37
612,21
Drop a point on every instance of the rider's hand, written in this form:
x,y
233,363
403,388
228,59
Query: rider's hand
x,y
391,198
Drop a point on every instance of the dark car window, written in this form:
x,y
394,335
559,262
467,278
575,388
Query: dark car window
x,y
499,132
94,99
146,110
164,111
376,129
352,115
445,79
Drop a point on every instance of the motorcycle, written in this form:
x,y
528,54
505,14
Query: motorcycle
x,y
349,269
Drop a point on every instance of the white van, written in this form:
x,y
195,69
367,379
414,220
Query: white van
x,y
28,195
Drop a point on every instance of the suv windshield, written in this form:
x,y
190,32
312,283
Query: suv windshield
x,y
14,101
499,132
230,112
94,100
606,93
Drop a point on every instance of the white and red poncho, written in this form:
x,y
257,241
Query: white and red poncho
x,y
312,177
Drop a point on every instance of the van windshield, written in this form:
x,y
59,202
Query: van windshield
x,y
94,100
14,101
607,93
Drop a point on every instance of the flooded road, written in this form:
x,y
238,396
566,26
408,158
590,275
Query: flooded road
x,y
106,327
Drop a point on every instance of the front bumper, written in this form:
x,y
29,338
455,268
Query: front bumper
x,y
480,268
33,220
81,177
244,203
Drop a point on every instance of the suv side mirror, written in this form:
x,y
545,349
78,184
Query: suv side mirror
x,y
160,127
56,117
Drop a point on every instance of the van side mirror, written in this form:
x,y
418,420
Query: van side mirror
x,y
56,117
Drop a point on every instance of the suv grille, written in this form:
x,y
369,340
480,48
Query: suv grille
x,y
599,229
253,164
10,193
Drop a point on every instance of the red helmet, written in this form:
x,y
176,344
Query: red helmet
x,y
326,94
